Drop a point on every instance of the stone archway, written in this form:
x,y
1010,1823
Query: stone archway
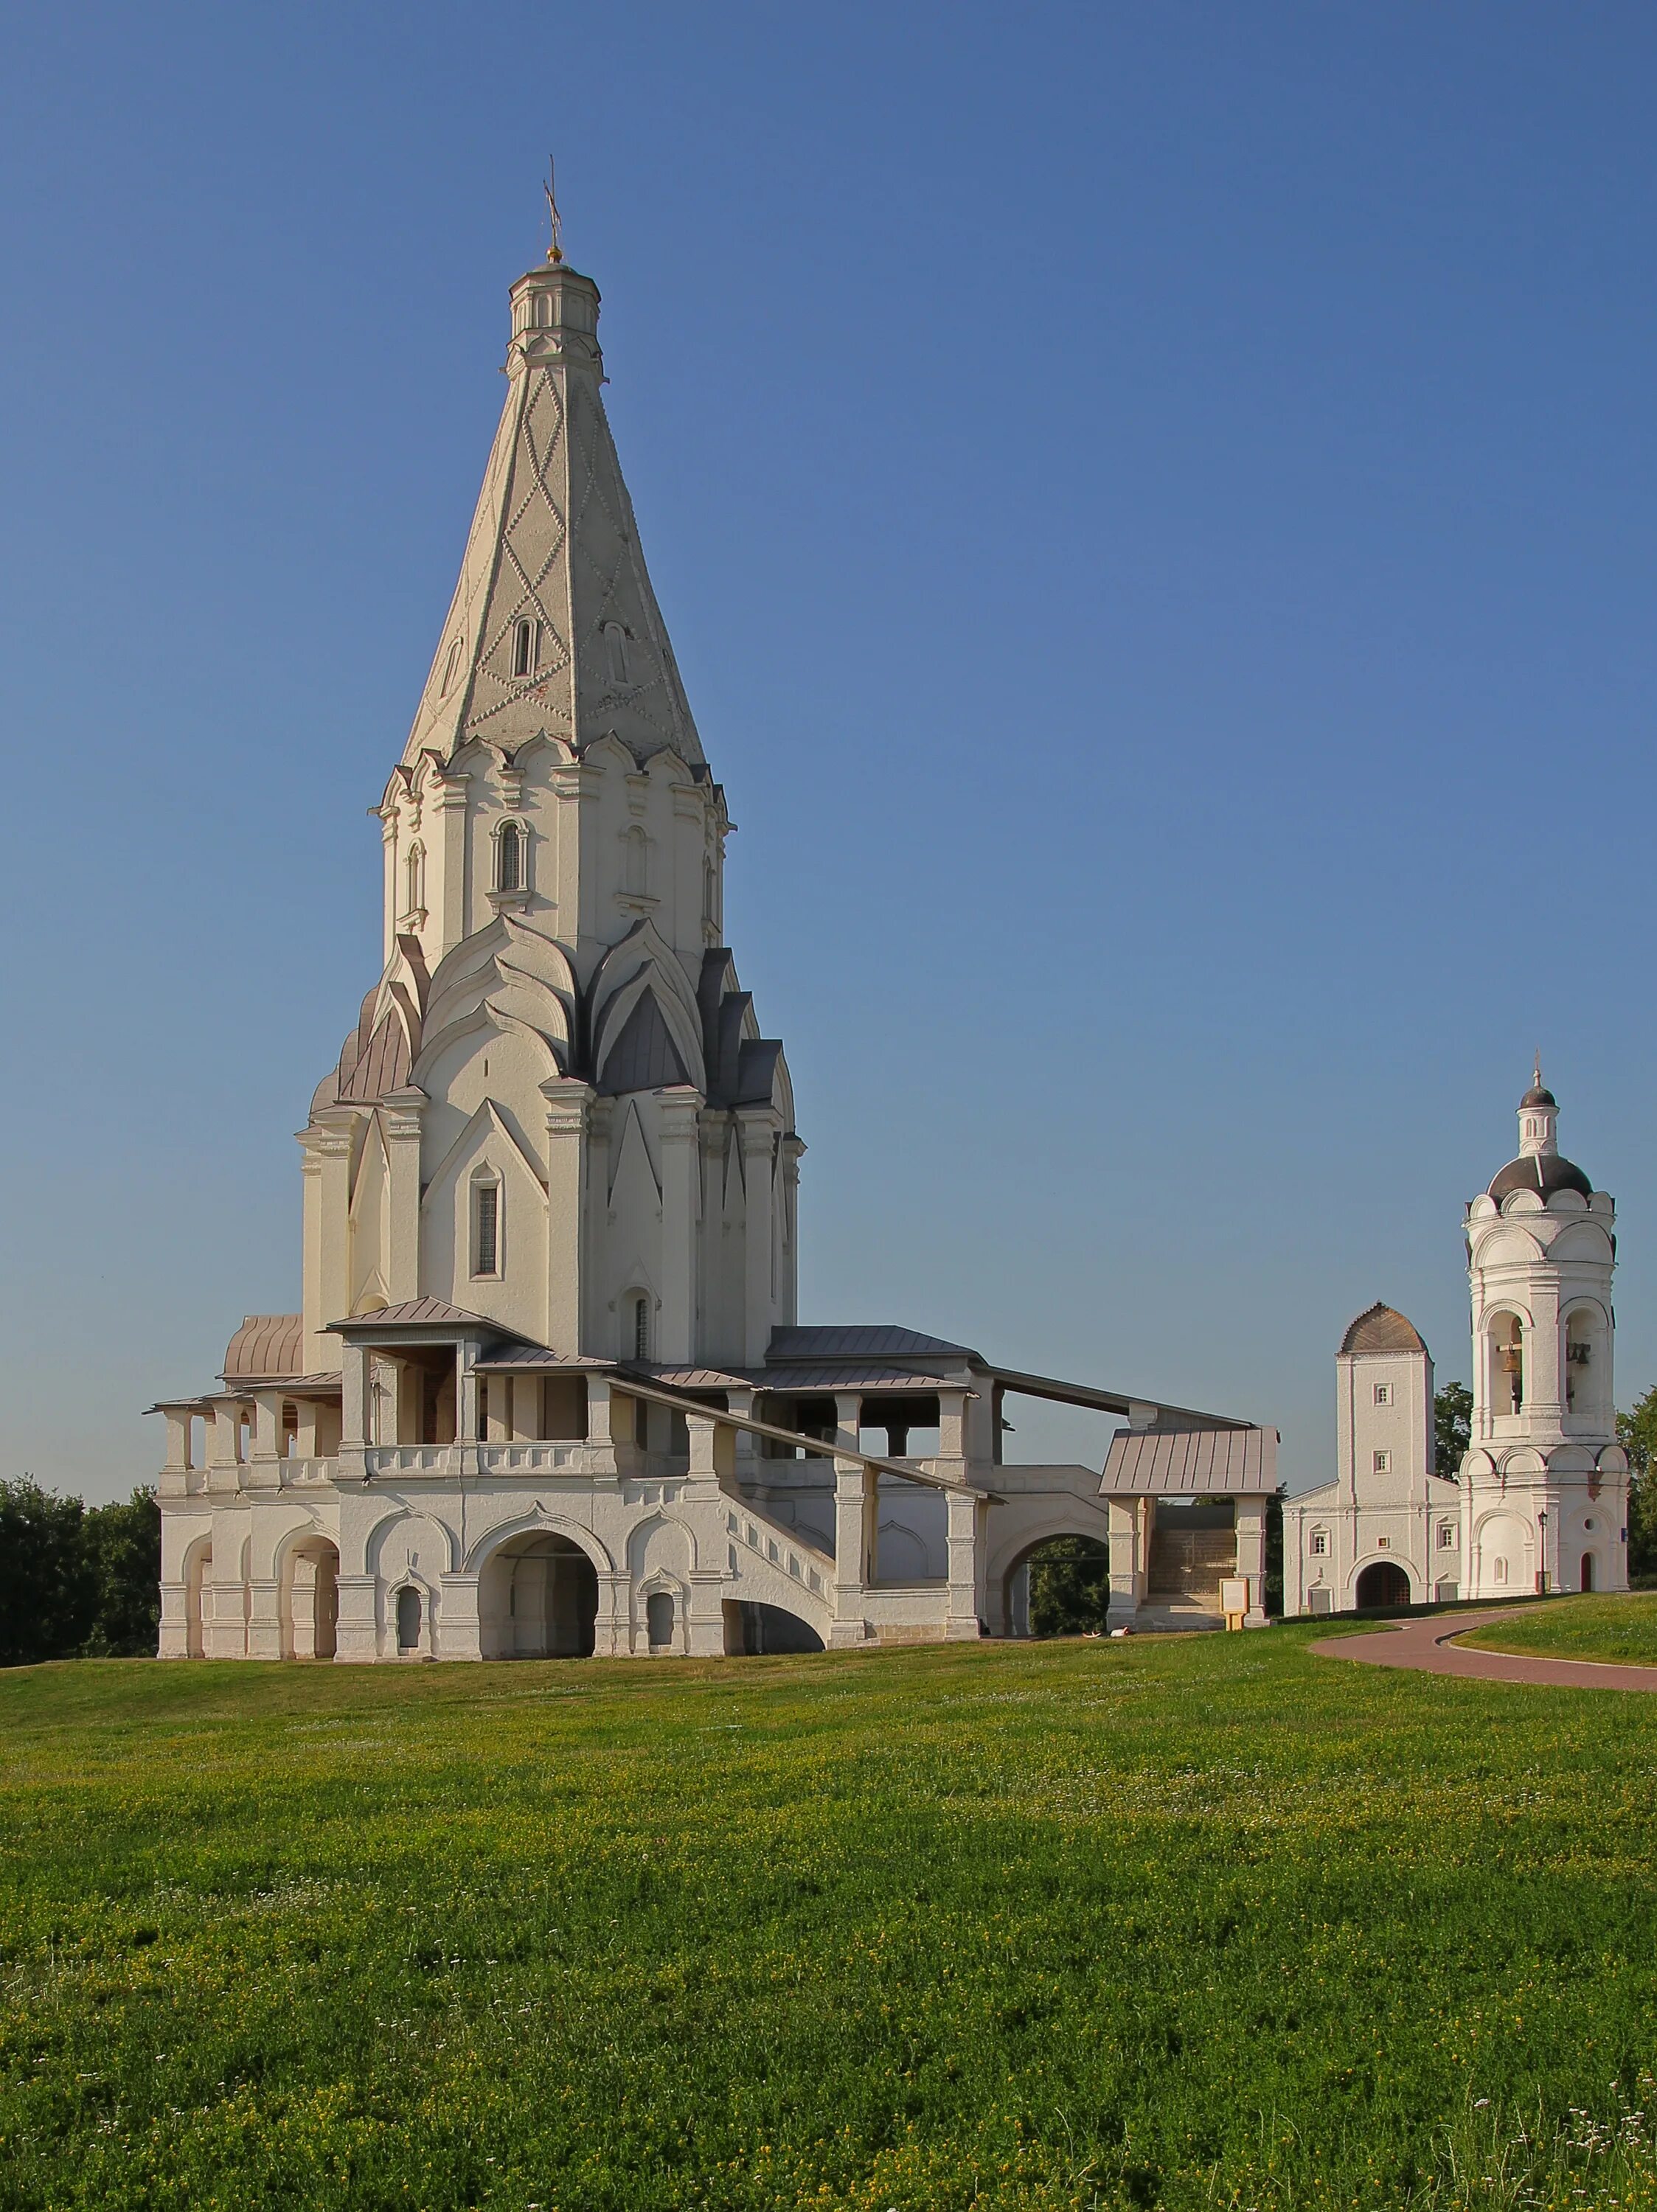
x,y
1059,1586
538,1595
198,1574
1382,1585
765,1629
309,1584
1586,1580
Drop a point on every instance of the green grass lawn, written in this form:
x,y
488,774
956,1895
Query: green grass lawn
x,y
1200,1922
1617,1629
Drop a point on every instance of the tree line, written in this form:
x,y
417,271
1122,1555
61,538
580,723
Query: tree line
x,y
77,1581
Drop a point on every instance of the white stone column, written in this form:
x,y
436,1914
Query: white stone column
x,y
852,1564
263,1468
457,1631
1251,1556
612,1628
354,1413
357,1632
952,1431
567,1109
677,1110
966,1517
523,1414
495,1396
1127,1561
706,1624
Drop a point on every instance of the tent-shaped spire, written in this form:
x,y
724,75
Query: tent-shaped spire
x,y
554,626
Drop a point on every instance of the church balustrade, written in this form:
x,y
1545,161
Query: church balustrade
x,y
296,1473
543,1457
416,1459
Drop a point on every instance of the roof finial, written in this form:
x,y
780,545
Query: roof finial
x,y
1538,1078
554,251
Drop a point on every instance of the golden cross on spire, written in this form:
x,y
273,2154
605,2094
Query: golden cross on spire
x,y
554,251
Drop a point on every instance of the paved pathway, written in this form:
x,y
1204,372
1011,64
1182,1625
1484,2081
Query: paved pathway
x,y
1424,1646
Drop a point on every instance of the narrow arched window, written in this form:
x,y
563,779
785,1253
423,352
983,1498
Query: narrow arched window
x,y
415,870
637,862
523,649
451,667
615,644
641,1327
510,869
486,1229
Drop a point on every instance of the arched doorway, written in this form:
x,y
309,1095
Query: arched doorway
x,y
538,1599
1382,1584
1586,1583
410,1617
1060,1587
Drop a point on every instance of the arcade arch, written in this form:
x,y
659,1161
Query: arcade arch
x,y
308,1598
538,1598
1383,1583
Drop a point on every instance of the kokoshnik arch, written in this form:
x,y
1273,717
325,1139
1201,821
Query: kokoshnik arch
x,y
548,1392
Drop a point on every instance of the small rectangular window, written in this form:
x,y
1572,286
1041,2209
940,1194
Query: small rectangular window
x,y
1319,1544
1383,1543
1383,1462
489,1230
1383,1394
1447,1536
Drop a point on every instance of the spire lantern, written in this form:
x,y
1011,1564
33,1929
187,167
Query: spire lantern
x,y
1538,1119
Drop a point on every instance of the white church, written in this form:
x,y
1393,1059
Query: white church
x,y
1540,1502
547,1392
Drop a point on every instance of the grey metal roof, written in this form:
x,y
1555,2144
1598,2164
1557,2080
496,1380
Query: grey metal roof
x,y
528,1358
851,1376
882,1340
417,1313
1190,1463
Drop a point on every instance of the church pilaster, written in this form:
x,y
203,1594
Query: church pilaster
x,y
677,1113
569,1105
758,1156
403,1110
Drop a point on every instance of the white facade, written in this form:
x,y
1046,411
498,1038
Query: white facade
x,y
546,1392
1388,1530
1544,1484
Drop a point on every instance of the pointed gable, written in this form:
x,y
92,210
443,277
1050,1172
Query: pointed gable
x,y
642,1057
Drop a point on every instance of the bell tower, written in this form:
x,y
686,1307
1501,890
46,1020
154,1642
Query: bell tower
x,y
1545,1483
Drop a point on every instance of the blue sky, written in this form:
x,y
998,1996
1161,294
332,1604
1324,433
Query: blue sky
x,y
1156,510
